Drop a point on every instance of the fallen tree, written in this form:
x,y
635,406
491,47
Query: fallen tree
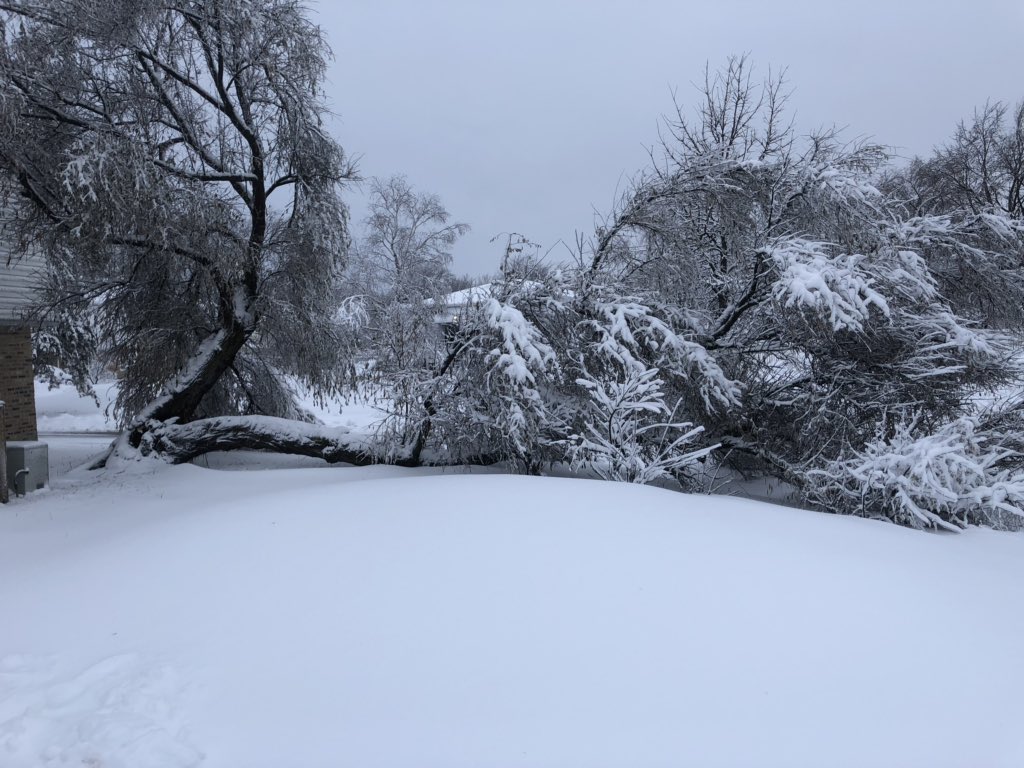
x,y
181,443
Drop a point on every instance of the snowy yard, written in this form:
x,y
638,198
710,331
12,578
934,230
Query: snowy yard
x,y
181,616
62,410
345,510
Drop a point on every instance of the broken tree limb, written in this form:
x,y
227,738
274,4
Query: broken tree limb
x,y
180,443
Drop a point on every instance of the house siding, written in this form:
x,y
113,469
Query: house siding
x,y
20,278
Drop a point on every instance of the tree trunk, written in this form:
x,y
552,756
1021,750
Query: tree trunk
x,y
182,394
179,443
183,442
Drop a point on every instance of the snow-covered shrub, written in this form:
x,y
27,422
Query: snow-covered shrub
x,y
516,365
949,477
834,285
556,371
636,366
629,431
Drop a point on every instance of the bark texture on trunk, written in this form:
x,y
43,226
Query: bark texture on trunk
x,y
182,395
180,443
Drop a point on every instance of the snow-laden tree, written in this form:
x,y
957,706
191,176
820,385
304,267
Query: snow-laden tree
x,y
949,477
802,281
758,291
172,161
980,169
970,196
540,372
406,251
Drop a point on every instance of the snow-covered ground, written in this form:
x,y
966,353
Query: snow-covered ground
x,y
181,616
70,450
63,410
300,614
77,428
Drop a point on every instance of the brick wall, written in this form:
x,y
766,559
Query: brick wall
x,y
16,387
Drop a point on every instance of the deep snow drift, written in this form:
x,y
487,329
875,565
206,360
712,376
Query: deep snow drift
x,y
376,617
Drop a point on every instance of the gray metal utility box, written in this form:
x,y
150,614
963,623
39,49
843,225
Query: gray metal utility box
x,y
27,455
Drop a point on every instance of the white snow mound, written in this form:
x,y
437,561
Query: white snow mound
x,y
381,617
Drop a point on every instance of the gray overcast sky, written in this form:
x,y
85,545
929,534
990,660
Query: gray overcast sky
x,y
528,116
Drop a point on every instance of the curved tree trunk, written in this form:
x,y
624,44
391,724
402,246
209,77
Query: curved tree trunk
x,y
179,443
183,393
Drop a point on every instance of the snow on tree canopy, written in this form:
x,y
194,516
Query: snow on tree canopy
x,y
626,325
522,347
835,285
947,478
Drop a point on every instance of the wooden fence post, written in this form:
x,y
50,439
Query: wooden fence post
x,y
3,456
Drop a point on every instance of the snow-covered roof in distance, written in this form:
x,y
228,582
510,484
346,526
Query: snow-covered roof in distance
x,y
465,297
478,293
457,301
468,296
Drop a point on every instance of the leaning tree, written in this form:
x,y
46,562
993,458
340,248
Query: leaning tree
x,y
172,161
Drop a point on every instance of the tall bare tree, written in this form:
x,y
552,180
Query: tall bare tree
x,y
406,251
400,267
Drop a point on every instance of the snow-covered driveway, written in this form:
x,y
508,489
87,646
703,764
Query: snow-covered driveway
x,y
180,616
